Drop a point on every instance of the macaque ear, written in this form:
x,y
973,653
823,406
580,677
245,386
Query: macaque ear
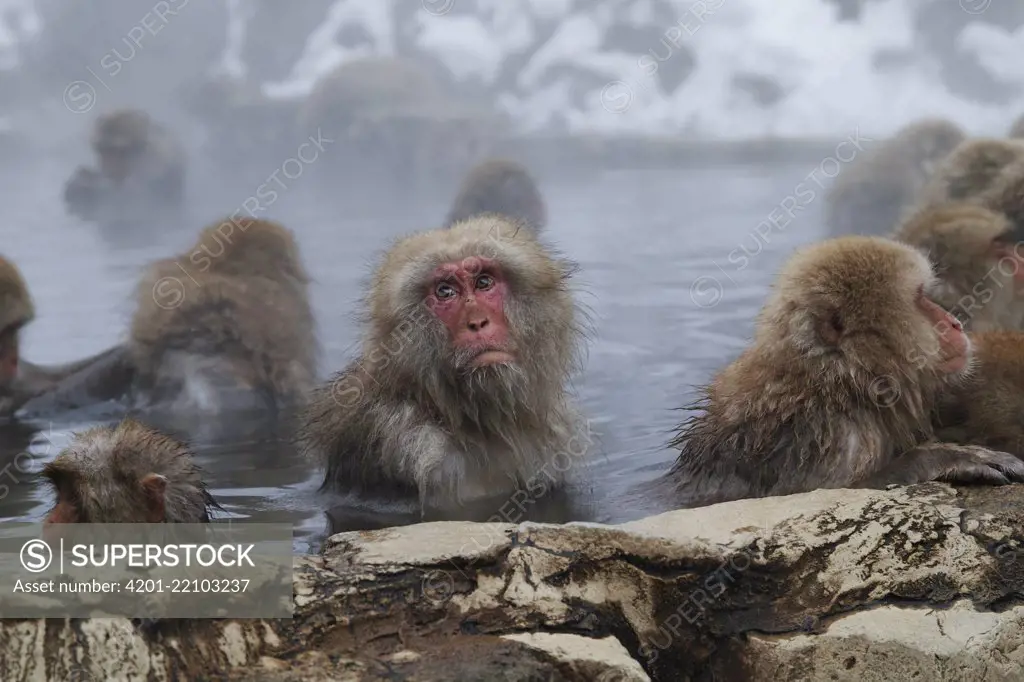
x,y
63,480
153,488
830,328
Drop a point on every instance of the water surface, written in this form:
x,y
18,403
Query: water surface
x,y
674,267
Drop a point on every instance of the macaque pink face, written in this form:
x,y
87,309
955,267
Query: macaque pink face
x,y
954,347
469,297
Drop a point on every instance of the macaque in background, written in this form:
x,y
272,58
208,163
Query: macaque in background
x,y
969,171
229,317
364,86
979,274
141,169
393,126
988,408
127,474
1017,129
873,192
503,187
1006,193
226,325
849,358
460,390
21,380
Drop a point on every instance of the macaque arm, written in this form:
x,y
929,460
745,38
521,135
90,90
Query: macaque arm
x,y
100,378
963,464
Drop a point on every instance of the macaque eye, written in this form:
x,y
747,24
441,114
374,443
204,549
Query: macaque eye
x,y
445,290
484,282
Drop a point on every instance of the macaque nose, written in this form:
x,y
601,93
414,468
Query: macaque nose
x,y
477,322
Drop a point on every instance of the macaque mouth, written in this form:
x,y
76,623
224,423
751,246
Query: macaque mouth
x,y
491,356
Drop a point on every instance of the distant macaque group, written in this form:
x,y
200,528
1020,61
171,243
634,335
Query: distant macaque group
x,y
460,390
140,169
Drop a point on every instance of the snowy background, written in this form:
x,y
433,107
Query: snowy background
x,y
710,68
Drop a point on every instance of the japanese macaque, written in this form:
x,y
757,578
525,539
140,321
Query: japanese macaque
x,y
871,195
141,168
969,171
127,474
366,86
986,409
226,325
1017,129
849,357
231,316
21,380
503,187
1006,193
979,272
460,390
393,126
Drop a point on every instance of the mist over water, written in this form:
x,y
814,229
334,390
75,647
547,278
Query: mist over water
x,y
675,263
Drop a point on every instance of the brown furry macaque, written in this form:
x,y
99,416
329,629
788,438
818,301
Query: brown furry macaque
x,y
225,326
367,87
987,409
500,186
460,390
230,318
1017,129
969,171
873,192
849,357
21,380
1006,193
979,272
127,474
141,167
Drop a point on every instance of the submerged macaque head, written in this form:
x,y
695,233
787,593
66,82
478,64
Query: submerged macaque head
x,y
126,474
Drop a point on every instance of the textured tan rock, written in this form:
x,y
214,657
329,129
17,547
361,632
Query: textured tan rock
x,y
911,583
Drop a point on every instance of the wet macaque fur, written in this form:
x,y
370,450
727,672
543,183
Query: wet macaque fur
x,y
872,193
141,166
127,474
978,259
988,408
230,314
969,171
839,386
503,187
460,393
